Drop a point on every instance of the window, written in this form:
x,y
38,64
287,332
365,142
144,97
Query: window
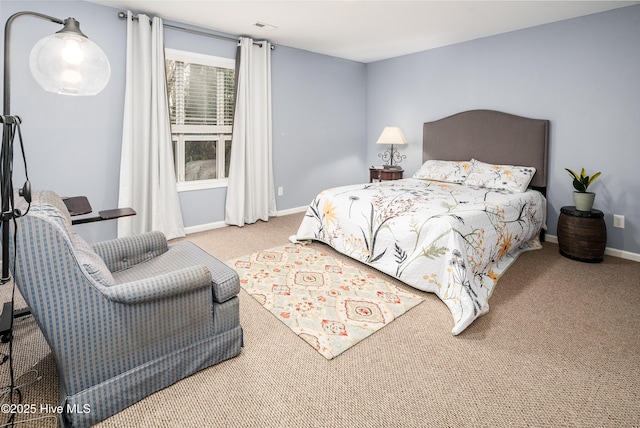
x,y
201,101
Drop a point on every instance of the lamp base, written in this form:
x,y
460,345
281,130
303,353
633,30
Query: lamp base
x,y
390,155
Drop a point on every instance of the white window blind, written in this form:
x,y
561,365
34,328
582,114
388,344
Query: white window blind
x,y
200,94
201,103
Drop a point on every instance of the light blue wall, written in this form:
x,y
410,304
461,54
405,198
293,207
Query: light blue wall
x,y
319,122
327,113
73,143
581,74
318,108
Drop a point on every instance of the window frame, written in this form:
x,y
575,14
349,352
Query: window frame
x,y
180,134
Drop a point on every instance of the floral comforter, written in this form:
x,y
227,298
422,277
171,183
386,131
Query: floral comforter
x,y
449,239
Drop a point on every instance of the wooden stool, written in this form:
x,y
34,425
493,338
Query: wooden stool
x,y
582,235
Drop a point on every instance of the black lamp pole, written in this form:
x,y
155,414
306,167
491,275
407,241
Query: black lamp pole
x,y
9,124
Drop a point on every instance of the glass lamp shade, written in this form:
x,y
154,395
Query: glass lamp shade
x,y
68,63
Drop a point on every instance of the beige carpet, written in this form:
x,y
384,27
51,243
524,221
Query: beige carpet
x,y
559,347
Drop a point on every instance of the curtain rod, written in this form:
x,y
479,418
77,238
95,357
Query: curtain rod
x,y
123,15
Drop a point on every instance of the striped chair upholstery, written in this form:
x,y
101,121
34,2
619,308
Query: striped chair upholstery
x,y
153,315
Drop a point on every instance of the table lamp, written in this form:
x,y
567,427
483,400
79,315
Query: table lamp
x,y
391,135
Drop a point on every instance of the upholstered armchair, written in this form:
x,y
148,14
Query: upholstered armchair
x,y
124,318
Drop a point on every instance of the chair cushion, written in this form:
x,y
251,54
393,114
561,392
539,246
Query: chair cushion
x,y
224,280
91,262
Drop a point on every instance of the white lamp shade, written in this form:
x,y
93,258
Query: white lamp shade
x,y
69,63
391,135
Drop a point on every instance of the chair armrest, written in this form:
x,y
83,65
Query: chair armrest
x,y
122,253
161,286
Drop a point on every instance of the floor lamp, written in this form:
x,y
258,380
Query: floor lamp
x,y
65,63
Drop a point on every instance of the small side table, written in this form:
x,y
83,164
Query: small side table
x,y
79,205
379,174
582,235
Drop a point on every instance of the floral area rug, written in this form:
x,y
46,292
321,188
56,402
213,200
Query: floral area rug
x,y
328,303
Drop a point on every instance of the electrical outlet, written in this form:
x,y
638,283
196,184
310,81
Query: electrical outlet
x,y
618,221
280,191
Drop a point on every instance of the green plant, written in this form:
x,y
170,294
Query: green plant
x,y
581,182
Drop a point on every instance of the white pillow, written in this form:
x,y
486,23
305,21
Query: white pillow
x,y
500,177
448,171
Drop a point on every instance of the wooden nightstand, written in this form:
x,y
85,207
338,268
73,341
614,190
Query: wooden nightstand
x,y
377,174
582,235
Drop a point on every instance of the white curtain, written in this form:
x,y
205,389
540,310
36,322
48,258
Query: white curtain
x,y
250,189
147,172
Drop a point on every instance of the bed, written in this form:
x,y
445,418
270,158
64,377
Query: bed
x,y
459,222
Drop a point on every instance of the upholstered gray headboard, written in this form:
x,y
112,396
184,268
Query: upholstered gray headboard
x,y
492,137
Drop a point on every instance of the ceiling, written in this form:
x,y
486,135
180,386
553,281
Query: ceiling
x,y
366,31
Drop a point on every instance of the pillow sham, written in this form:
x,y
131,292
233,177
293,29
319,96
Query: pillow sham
x,y
500,177
447,171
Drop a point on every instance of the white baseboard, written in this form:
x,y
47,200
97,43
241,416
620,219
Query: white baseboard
x,y
628,255
550,238
293,210
218,224
204,227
